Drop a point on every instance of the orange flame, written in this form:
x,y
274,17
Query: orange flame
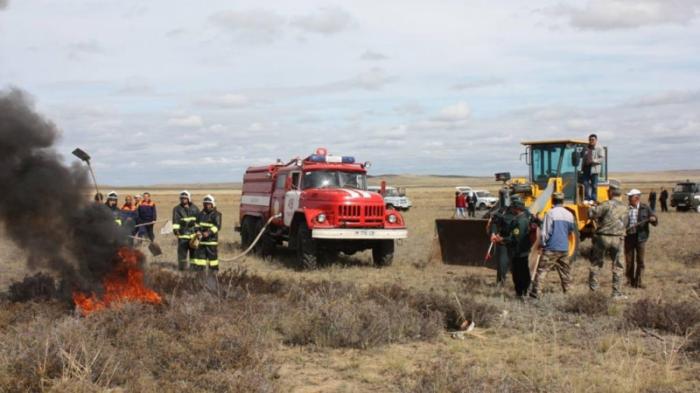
x,y
123,284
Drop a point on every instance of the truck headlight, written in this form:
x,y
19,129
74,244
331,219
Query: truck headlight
x,y
321,218
392,219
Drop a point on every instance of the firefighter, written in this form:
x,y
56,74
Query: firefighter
x,y
184,224
519,243
208,227
111,204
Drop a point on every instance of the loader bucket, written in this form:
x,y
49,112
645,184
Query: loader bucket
x,y
462,242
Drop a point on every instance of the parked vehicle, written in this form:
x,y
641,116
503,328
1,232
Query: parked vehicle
x,y
394,198
686,196
319,206
485,200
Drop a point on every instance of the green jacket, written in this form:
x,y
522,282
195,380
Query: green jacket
x,y
518,239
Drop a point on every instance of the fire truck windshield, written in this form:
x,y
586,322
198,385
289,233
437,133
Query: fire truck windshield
x,y
334,179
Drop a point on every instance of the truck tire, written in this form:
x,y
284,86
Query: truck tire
x,y
247,228
383,253
266,244
307,249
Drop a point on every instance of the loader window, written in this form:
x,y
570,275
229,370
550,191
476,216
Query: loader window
x,y
569,174
545,163
334,179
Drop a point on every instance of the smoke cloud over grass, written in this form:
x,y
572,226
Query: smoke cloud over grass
x,y
44,207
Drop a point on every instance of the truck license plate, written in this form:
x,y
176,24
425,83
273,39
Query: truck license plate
x,y
364,233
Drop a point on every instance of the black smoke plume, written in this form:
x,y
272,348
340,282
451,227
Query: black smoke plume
x,y
44,204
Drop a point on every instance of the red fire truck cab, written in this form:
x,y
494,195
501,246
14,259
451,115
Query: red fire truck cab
x,y
321,207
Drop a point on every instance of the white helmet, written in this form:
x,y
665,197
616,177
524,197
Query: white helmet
x,y
210,199
185,194
112,195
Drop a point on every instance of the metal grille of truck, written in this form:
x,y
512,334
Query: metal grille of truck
x,y
371,214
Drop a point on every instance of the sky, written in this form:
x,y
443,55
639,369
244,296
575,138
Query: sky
x,y
180,91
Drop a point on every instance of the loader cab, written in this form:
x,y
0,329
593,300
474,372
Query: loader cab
x,y
563,160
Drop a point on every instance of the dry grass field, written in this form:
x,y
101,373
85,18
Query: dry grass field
x,y
349,327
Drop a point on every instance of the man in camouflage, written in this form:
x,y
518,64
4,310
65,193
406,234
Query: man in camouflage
x,y
612,219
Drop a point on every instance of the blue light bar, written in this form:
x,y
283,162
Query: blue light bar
x,y
317,158
348,160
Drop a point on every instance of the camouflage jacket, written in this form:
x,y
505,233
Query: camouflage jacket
x,y
611,218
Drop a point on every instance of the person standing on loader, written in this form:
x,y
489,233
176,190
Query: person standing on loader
x,y
184,224
593,158
519,243
640,216
208,227
557,226
612,220
498,226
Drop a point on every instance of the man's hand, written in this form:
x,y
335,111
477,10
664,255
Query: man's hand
x,y
653,220
206,234
176,232
496,238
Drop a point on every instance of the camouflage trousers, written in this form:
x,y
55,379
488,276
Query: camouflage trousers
x,y
557,260
613,247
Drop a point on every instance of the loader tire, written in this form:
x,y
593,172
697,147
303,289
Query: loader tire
x,y
383,253
307,249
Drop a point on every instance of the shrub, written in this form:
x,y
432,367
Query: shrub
x,y
677,318
590,303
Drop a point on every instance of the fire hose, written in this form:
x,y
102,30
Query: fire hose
x,y
254,242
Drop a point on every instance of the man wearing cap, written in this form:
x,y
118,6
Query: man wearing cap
x,y
593,158
519,244
557,226
184,224
640,216
612,219
208,227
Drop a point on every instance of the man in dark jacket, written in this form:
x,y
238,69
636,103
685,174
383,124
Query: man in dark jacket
x,y
652,200
208,227
147,214
640,216
184,225
519,243
663,200
499,227
472,201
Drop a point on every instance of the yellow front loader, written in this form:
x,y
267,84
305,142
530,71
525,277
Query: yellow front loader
x,y
554,166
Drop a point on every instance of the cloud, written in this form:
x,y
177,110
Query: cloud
x,y
135,86
192,121
254,26
326,21
668,98
479,83
78,50
369,55
454,113
627,14
225,101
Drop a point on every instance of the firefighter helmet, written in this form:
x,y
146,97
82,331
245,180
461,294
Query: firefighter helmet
x,y
112,196
209,199
185,194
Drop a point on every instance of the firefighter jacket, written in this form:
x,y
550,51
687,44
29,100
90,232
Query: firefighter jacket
x,y
116,214
501,221
185,220
209,222
611,218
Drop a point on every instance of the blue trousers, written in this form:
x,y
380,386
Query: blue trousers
x,y
590,186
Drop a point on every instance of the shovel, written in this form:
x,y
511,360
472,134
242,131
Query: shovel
x,y
153,248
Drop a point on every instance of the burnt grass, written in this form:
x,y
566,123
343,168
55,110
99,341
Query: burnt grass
x,y
210,334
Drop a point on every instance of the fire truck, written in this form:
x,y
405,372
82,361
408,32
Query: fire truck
x,y
319,206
